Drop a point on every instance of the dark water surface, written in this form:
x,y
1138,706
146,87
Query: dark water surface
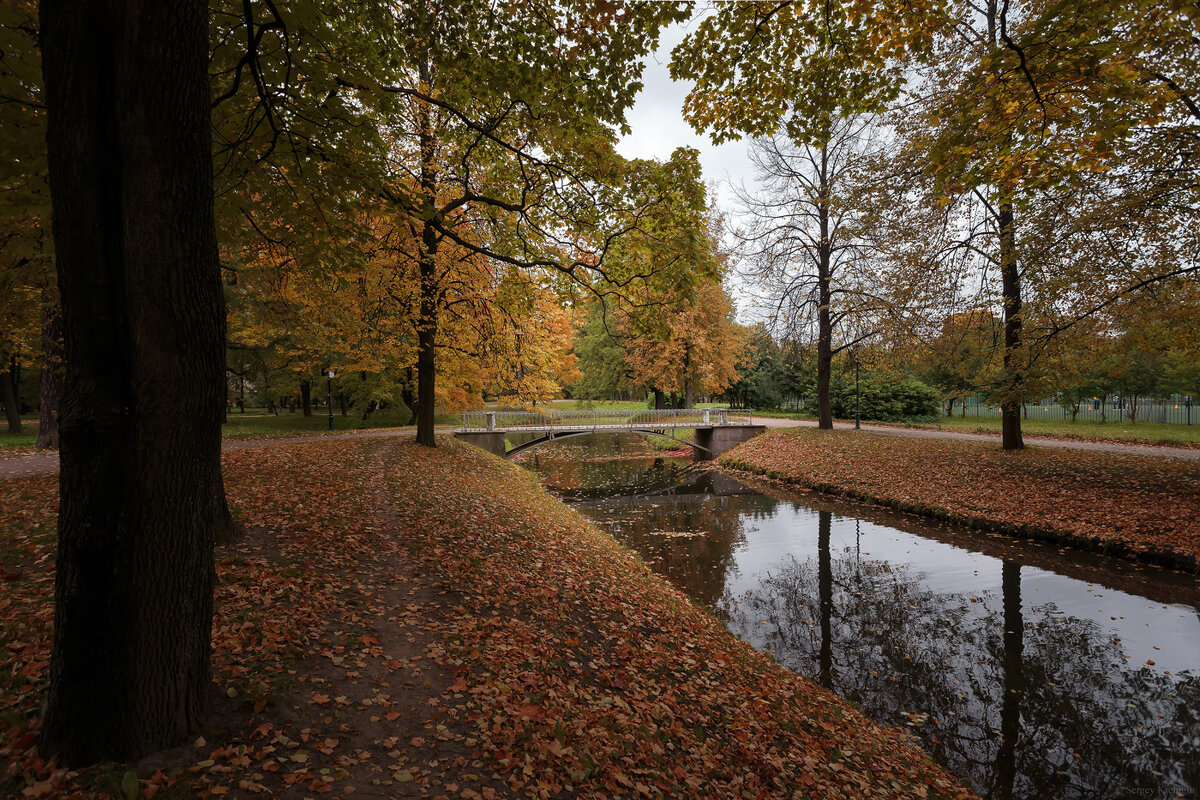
x,y
1029,671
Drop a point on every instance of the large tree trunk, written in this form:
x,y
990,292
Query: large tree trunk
x,y
660,399
8,392
52,372
426,350
1010,277
306,397
427,322
129,148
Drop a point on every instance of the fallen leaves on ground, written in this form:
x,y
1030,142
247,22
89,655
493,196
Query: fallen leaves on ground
x,y
1140,506
399,621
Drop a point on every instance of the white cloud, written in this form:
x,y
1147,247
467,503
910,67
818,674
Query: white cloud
x,y
658,126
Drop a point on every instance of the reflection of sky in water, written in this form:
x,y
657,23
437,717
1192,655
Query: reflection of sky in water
x,y
904,617
790,528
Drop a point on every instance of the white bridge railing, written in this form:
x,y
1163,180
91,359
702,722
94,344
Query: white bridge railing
x,y
606,419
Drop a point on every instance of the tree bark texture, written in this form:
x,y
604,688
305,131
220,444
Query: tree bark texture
x,y
427,322
129,148
824,302
1010,279
306,397
51,377
8,393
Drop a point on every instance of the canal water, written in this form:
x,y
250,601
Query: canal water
x,y
1028,670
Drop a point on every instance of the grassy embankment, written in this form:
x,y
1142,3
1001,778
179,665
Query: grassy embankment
x,y
1119,431
455,632
1138,507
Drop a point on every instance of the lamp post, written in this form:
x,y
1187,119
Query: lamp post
x,y
329,376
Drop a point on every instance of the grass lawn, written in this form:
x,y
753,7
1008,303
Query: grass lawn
x,y
257,422
1152,432
25,440
454,631
1143,432
1141,507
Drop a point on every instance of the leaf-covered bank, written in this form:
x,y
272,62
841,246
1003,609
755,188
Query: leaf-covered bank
x,y
1134,506
586,673
405,622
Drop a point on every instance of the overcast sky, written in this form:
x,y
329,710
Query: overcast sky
x,y
658,127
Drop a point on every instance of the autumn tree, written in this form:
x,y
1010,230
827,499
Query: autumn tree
x,y
802,246
599,346
764,377
530,355
1008,101
960,361
692,350
28,295
512,156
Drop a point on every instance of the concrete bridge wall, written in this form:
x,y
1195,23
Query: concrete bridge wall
x,y
725,437
484,440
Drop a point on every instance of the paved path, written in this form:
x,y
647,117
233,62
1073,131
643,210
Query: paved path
x,y
23,464
932,433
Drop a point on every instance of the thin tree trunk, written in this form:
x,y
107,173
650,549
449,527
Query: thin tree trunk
x,y
1010,407
824,299
50,389
406,389
8,381
141,498
687,379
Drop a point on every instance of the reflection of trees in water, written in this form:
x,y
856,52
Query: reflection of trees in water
x,y
1020,703
589,467
688,539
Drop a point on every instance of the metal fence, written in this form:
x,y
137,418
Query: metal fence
x,y
1174,411
610,418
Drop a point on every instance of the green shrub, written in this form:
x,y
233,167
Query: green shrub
x,y
881,398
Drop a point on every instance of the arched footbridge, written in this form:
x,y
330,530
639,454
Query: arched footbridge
x,y
716,429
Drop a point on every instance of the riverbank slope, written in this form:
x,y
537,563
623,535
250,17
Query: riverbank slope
x,y
1137,507
404,622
